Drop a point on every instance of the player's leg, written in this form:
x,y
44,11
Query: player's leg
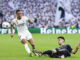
x,y
33,46
23,41
48,52
30,40
32,43
45,53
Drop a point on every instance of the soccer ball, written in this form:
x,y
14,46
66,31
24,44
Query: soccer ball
x,y
5,25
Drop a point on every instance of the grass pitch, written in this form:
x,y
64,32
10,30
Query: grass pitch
x,y
12,49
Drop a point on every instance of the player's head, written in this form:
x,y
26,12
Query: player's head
x,y
61,40
18,13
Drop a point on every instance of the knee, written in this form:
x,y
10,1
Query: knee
x,y
23,41
54,51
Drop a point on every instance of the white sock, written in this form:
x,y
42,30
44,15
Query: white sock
x,y
27,48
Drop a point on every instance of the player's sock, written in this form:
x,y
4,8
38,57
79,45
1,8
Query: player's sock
x,y
27,48
49,52
33,47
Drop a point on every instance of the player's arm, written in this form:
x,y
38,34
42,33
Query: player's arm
x,y
75,50
30,21
11,28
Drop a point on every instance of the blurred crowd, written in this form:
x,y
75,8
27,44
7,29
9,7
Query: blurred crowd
x,y
42,10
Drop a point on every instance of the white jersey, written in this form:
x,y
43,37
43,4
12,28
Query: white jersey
x,y
20,24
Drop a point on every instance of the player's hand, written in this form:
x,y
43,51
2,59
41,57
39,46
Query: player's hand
x,y
78,46
11,35
62,57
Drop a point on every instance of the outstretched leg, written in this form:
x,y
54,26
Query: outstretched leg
x,y
33,46
23,41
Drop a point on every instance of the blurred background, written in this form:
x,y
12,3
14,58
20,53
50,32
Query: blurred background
x,y
49,13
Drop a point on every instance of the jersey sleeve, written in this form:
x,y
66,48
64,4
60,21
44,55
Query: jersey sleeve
x,y
69,48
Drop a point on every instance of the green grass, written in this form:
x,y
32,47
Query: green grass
x,y
12,49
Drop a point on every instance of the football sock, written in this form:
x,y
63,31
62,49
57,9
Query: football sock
x,y
33,47
27,48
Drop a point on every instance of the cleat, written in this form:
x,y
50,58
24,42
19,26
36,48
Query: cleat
x,y
40,54
31,55
37,53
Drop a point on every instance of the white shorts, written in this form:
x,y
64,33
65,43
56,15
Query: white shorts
x,y
25,35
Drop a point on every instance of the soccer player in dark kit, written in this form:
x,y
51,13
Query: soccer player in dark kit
x,y
63,51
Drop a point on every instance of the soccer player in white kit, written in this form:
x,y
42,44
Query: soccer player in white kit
x,y
23,32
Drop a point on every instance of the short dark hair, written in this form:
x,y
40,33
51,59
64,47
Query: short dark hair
x,y
61,37
17,10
